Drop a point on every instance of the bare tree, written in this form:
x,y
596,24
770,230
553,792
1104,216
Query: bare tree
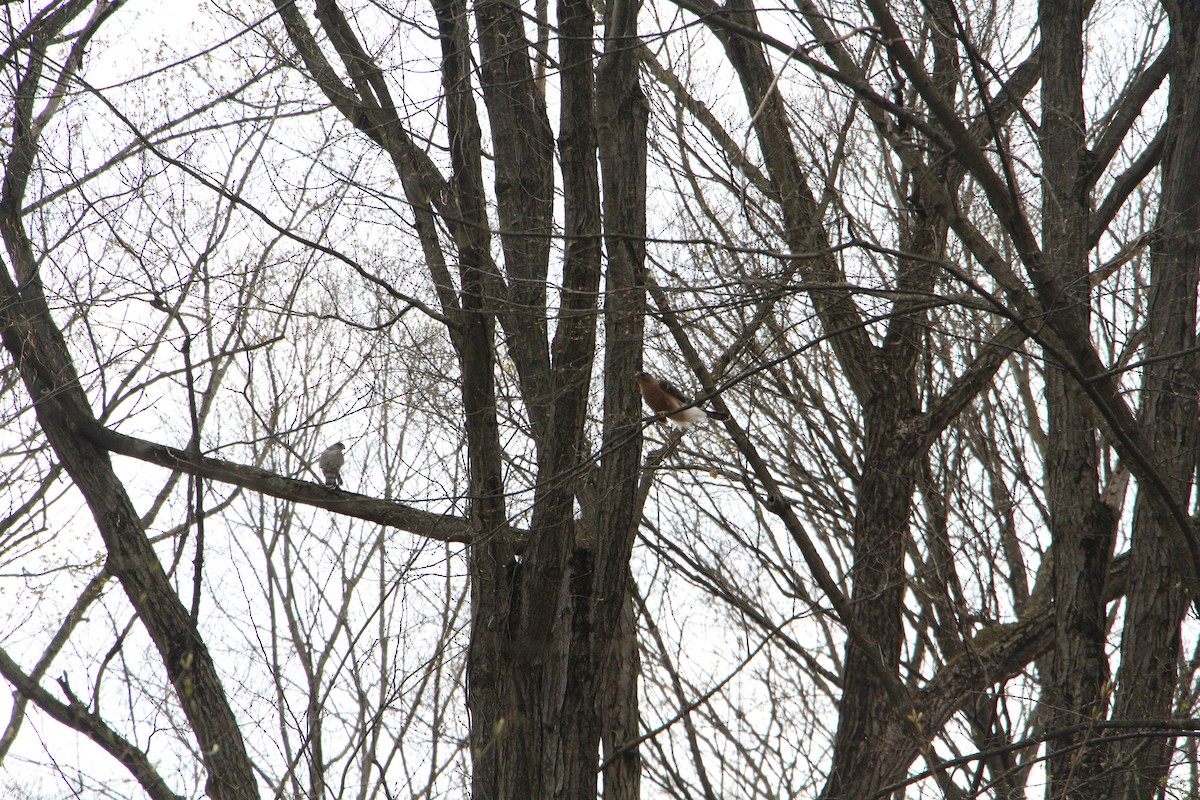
x,y
936,259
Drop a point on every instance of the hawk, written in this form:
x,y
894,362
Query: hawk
x,y
330,461
664,398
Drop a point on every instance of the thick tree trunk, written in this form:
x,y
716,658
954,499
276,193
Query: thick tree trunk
x,y
524,185
1155,606
622,114
495,729
1081,526
618,701
884,501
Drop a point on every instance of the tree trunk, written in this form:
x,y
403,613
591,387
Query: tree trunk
x,y
1081,526
1156,604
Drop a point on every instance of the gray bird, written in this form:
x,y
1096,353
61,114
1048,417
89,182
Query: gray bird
x,y
330,462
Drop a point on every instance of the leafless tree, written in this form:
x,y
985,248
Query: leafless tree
x,y
936,258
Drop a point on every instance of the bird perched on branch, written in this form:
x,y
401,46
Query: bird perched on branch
x,y
330,461
664,398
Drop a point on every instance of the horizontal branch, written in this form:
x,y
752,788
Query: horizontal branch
x,y
441,527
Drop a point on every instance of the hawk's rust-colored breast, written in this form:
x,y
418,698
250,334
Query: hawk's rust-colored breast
x,y
660,395
663,398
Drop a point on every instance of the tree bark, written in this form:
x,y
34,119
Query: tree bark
x,y
494,571
618,703
1081,526
1156,603
622,114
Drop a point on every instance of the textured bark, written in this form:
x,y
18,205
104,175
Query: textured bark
x,y
868,705
896,440
618,702
573,356
622,113
550,626
524,186
1156,604
493,566
1081,526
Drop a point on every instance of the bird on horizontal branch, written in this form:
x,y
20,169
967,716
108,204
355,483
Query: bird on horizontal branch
x,y
330,461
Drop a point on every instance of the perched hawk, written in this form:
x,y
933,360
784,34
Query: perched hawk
x,y
330,461
664,398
